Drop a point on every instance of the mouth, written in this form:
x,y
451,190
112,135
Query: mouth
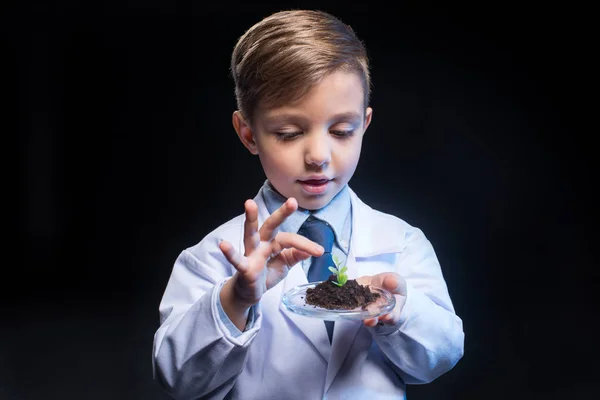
x,y
315,186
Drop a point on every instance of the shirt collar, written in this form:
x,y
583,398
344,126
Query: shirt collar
x,y
336,213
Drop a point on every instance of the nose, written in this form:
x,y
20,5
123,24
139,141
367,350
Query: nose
x,y
318,149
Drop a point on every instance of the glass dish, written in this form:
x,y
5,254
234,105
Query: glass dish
x,y
294,301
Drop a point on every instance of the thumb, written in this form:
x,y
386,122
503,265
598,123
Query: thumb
x,y
391,282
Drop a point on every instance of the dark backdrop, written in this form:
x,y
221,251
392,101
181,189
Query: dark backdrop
x,y
120,118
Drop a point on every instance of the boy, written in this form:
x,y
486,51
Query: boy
x,y
302,87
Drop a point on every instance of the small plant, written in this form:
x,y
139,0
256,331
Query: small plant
x,y
340,272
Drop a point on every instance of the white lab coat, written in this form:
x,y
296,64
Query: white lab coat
x,y
288,356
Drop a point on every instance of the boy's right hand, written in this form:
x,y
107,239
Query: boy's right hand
x,y
268,257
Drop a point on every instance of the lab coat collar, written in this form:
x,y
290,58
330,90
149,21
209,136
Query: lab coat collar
x,y
369,234
371,231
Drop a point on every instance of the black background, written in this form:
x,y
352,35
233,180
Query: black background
x,y
120,113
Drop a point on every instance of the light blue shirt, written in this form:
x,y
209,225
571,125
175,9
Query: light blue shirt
x,y
338,214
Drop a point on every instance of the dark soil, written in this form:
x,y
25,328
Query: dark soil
x,y
331,296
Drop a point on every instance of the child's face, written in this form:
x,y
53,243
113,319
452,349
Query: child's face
x,y
310,149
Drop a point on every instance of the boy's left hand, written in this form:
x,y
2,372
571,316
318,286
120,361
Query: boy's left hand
x,y
395,284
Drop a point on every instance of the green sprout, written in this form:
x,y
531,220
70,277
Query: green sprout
x,y
340,273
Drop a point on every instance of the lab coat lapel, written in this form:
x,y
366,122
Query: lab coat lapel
x,y
369,238
313,329
371,231
344,333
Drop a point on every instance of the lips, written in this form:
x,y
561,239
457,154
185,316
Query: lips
x,y
314,186
315,181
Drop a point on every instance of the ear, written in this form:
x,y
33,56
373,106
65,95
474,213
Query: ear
x,y
244,132
368,116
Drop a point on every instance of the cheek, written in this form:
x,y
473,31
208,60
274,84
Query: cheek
x,y
277,163
350,157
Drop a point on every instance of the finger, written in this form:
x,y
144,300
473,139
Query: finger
x,y
292,240
370,322
389,281
375,280
364,280
233,256
269,227
276,249
395,283
386,318
293,256
251,236
286,260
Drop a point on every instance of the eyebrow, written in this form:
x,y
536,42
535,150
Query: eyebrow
x,y
345,116
348,116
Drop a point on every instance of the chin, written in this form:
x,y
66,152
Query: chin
x,y
313,204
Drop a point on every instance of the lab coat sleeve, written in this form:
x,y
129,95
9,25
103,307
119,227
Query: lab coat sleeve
x,y
195,355
428,340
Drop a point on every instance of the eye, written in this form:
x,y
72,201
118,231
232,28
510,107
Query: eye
x,y
287,135
342,133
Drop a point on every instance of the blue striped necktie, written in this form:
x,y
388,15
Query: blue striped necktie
x,y
320,232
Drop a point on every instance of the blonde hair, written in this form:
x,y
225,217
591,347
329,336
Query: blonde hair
x,y
281,57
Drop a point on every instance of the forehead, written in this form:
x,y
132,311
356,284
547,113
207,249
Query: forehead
x,y
337,94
